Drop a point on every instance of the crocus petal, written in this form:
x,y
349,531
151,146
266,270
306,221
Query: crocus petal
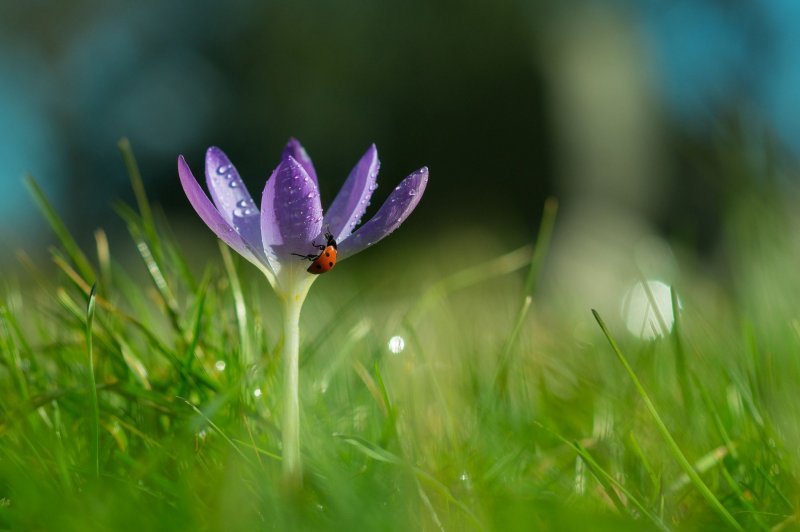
x,y
295,150
392,213
349,205
210,215
231,197
291,214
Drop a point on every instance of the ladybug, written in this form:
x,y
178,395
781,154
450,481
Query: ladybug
x,y
326,260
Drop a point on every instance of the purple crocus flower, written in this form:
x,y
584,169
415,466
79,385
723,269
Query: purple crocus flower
x,y
289,222
290,218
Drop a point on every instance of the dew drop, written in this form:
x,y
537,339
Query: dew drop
x,y
310,195
412,192
223,169
233,184
257,392
397,187
242,203
396,344
219,365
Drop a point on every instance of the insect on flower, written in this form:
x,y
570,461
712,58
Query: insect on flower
x,y
325,261
290,217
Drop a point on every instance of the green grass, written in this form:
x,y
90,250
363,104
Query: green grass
x,y
133,405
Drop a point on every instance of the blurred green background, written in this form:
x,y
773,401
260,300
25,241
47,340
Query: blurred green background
x,y
608,104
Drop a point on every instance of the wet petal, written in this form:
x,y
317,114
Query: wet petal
x,y
210,215
291,214
393,212
231,197
349,205
298,153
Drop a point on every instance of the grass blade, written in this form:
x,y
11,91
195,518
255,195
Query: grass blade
x,y
542,244
246,355
148,222
60,229
662,428
501,378
94,443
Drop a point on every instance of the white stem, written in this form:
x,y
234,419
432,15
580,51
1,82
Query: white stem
x,y
293,296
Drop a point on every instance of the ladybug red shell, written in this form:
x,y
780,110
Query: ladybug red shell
x,y
326,260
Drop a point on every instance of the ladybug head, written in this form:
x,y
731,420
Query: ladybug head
x,y
330,240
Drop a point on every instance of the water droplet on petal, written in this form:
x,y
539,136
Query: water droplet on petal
x,y
242,203
223,169
310,195
412,192
233,184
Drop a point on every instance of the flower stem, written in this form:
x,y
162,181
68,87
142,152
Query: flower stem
x,y
292,463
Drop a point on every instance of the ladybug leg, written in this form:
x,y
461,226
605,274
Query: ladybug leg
x,y
318,246
307,257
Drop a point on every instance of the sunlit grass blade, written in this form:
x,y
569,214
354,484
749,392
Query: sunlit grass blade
x,y
705,463
94,441
103,256
542,245
246,354
681,368
665,433
60,229
146,212
501,377
157,276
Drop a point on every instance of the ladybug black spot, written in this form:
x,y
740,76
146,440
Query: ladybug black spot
x,y
319,266
327,254
330,264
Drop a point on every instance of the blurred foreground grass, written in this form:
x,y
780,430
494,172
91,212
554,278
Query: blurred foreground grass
x,y
490,410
